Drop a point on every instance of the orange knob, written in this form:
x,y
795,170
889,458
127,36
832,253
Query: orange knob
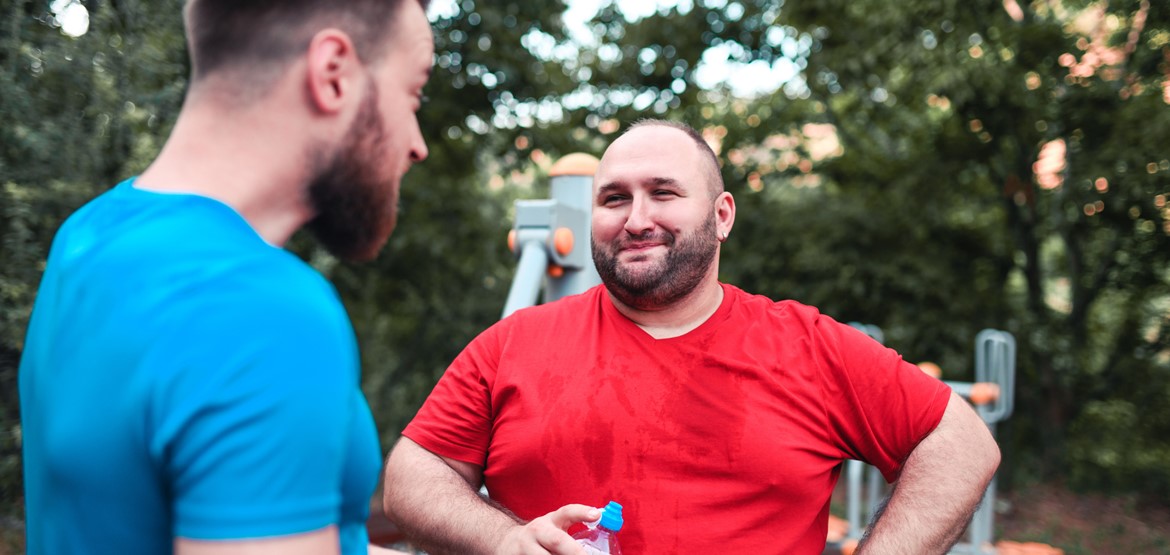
x,y
983,393
848,547
1005,547
577,163
838,529
555,271
512,240
931,369
563,241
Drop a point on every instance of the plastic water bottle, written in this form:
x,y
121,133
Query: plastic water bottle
x,y
601,539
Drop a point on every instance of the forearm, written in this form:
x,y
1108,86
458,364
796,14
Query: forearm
x,y
437,507
908,523
941,485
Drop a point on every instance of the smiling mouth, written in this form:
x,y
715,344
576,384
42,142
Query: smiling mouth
x,y
639,249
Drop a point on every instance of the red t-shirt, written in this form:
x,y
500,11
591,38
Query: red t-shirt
x,y
728,439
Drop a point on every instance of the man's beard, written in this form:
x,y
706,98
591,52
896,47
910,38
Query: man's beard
x,y
356,207
673,277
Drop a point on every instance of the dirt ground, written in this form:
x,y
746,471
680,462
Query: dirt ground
x,y
1082,524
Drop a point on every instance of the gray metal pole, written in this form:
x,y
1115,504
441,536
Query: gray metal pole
x,y
853,476
529,272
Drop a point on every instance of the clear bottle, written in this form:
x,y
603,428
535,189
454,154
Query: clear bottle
x,y
601,538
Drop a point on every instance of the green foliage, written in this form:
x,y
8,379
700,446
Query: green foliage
x,y
1117,446
79,115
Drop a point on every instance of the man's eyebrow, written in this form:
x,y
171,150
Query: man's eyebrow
x,y
612,185
662,181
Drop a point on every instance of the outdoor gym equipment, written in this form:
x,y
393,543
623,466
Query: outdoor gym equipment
x,y
993,396
551,237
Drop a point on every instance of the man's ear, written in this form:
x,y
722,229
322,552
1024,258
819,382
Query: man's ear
x,y
332,71
724,212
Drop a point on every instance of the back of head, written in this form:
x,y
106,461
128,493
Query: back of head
x,y
252,40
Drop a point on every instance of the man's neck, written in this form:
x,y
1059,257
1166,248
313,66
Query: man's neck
x,y
262,178
679,317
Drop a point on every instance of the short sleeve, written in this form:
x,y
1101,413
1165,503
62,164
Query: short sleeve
x,y
456,419
879,406
250,431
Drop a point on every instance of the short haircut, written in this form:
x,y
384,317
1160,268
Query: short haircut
x,y
256,34
714,175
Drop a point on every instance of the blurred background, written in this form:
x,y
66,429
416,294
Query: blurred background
x,y
931,167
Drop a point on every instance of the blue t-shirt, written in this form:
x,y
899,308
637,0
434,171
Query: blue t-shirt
x,y
182,377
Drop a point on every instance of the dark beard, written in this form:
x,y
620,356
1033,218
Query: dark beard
x,y
676,276
355,206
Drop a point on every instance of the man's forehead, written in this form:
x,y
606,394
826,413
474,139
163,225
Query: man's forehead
x,y
412,32
648,135
645,152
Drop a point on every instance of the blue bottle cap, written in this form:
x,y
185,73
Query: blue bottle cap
x,y
611,516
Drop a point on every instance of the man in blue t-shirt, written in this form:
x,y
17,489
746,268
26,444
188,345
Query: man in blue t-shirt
x,y
187,385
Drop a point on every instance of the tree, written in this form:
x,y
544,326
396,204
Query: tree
x,y
74,126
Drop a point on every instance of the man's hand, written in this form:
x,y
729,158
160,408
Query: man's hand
x,y
547,534
434,501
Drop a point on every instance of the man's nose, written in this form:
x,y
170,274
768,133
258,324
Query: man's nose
x,y
418,149
641,218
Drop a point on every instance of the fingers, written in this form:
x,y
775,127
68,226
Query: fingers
x,y
550,528
569,515
546,534
538,537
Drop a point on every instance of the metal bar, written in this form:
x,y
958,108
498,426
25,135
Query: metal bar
x,y
529,275
853,473
875,484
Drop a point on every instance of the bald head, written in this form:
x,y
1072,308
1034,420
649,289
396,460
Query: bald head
x,y
708,161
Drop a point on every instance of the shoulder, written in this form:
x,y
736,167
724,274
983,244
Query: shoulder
x,y
751,305
206,252
274,333
269,293
176,265
788,319
237,302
